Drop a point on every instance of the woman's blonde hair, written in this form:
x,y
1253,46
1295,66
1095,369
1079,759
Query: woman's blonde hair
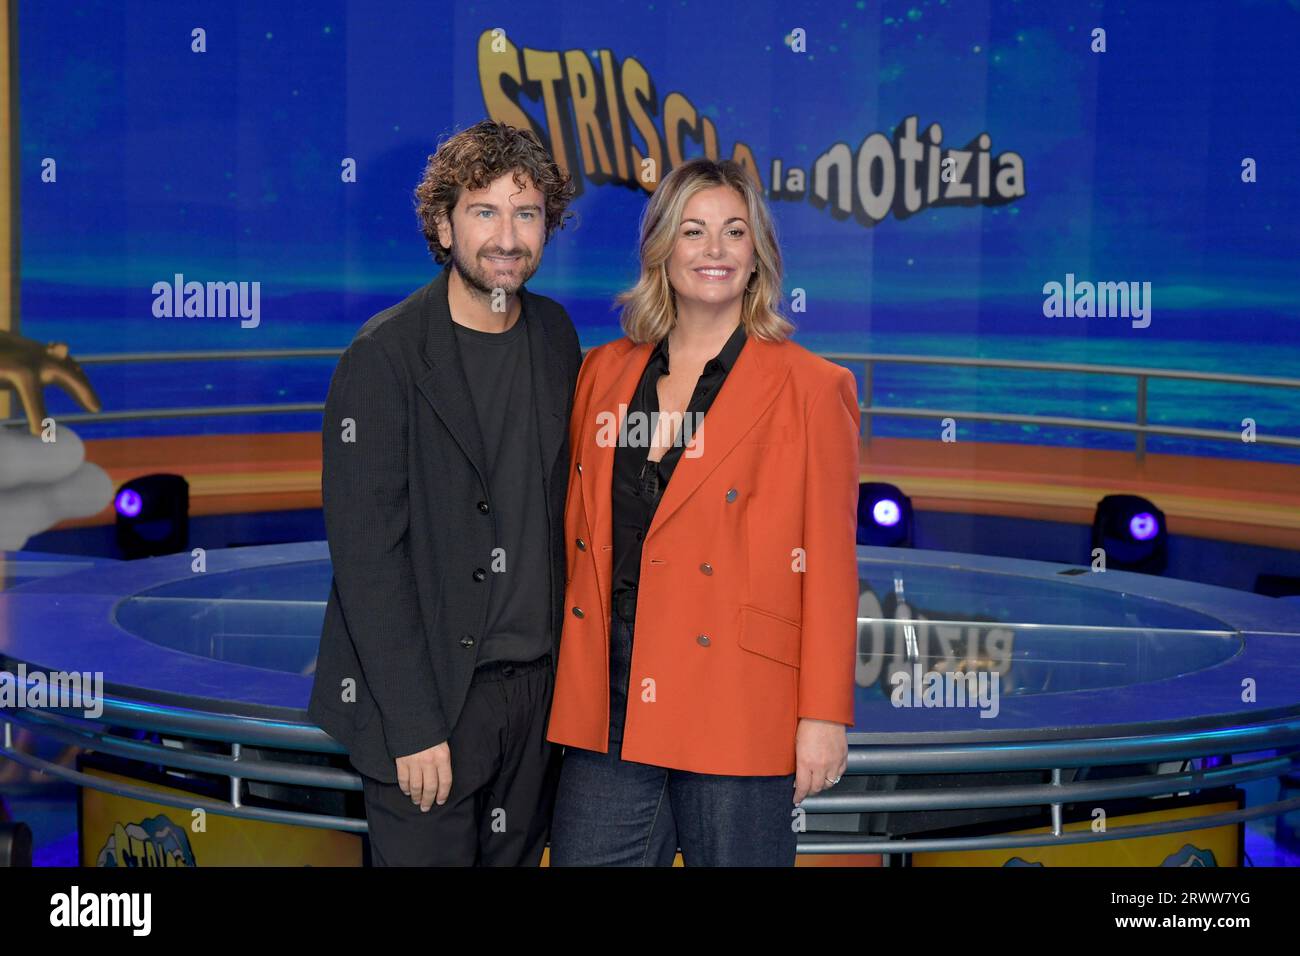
x,y
649,307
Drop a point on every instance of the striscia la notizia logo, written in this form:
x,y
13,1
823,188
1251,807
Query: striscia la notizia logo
x,y
903,173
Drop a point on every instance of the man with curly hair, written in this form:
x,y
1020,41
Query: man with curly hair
x,y
445,468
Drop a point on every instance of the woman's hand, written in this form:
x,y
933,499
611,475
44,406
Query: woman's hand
x,y
821,753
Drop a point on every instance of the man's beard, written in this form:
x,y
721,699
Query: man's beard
x,y
481,280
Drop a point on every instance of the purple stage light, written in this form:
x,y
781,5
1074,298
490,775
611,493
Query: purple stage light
x,y
1143,526
128,503
886,512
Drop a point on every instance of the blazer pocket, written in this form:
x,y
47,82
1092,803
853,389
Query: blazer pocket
x,y
768,635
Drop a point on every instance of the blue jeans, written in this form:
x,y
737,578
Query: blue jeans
x,y
612,812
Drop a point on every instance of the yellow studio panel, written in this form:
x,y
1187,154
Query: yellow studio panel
x,y
1214,846
124,831
807,859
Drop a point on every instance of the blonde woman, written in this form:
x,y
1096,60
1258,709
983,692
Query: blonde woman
x,y
705,679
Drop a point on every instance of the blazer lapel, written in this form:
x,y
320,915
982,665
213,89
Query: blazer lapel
x,y
548,383
749,389
444,383
607,413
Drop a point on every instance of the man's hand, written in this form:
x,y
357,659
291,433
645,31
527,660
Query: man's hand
x,y
821,751
426,776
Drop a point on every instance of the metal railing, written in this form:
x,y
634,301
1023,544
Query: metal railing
x,y
1051,757
1140,427
204,411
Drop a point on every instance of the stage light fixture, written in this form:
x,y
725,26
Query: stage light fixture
x,y
153,516
884,516
1131,530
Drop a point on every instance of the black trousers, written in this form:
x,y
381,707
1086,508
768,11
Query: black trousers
x,y
503,777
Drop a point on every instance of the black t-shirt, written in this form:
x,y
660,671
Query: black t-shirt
x,y
499,372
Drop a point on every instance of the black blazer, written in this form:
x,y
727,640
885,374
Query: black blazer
x,y
409,520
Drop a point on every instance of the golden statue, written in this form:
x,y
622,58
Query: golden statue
x,y
27,367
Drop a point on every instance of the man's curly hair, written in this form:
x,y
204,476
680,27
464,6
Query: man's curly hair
x,y
476,157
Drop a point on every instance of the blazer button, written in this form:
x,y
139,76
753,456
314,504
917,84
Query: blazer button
x,y
483,507
467,641
702,640
577,612
731,494
582,545
706,568
579,467
480,574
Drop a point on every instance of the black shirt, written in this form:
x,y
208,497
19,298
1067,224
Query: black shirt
x,y
499,372
638,482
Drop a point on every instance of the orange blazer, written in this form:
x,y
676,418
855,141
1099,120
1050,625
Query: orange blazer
x,y
746,615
